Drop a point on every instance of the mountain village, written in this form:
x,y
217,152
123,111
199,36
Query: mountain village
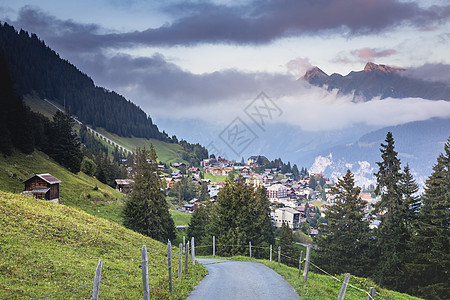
x,y
300,202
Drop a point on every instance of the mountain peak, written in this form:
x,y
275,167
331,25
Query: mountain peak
x,y
372,67
314,73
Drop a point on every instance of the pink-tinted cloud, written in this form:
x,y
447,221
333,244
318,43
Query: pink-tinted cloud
x,y
370,54
298,66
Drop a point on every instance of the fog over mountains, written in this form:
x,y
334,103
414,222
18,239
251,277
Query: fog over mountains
x,y
418,143
331,123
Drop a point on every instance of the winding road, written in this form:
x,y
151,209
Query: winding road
x,y
228,279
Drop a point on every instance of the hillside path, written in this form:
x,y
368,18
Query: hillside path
x,y
228,279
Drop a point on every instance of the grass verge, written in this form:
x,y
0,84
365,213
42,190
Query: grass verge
x,y
47,248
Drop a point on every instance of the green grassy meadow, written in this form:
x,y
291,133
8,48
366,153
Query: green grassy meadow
x,y
47,248
180,218
76,190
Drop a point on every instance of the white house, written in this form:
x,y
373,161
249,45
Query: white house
x,y
276,191
286,214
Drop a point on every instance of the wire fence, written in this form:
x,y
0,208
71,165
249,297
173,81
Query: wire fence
x,y
105,280
369,293
191,251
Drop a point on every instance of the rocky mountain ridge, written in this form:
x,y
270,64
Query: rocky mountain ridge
x,y
379,81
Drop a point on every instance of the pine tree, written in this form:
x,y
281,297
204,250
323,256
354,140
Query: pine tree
x,y
261,225
344,242
146,210
198,227
240,215
430,245
392,234
289,255
411,200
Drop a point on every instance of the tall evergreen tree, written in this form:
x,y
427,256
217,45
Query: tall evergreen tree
x,y
392,234
199,226
289,255
430,275
411,200
344,243
146,210
240,215
261,226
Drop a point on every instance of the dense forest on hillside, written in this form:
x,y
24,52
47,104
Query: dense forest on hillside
x,y
35,68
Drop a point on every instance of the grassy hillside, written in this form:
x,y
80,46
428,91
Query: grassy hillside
x,y
76,190
180,218
167,152
47,248
321,286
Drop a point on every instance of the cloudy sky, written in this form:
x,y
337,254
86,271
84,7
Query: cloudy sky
x,y
207,60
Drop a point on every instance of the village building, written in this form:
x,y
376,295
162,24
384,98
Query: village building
x,y
43,186
276,191
124,185
288,215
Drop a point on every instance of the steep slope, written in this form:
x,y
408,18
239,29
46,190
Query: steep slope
x,y
379,81
37,69
76,190
47,248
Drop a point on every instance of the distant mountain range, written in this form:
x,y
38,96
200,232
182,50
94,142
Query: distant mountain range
x,y
418,143
379,81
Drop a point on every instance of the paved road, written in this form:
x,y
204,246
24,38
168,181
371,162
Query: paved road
x,y
228,279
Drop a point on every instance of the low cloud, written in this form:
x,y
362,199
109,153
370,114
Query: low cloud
x,y
430,72
257,22
332,112
162,88
313,109
298,67
153,82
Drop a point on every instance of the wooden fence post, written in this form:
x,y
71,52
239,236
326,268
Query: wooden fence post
x,y
144,265
305,272
250,249
193,251
97,279
214,245
270,252
180,260
169,256
184,242
186,257
344,287
279,255
300,264
372,293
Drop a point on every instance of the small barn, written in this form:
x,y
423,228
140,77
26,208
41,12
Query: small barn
x,y
124,185
43,186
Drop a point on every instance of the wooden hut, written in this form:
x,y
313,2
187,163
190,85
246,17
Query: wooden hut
x,y
43,186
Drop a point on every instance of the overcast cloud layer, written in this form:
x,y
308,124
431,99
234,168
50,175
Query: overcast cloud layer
x,y
164,89
258,22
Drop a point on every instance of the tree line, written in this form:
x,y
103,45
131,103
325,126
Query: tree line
x,y
408,252
25,130
35,68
